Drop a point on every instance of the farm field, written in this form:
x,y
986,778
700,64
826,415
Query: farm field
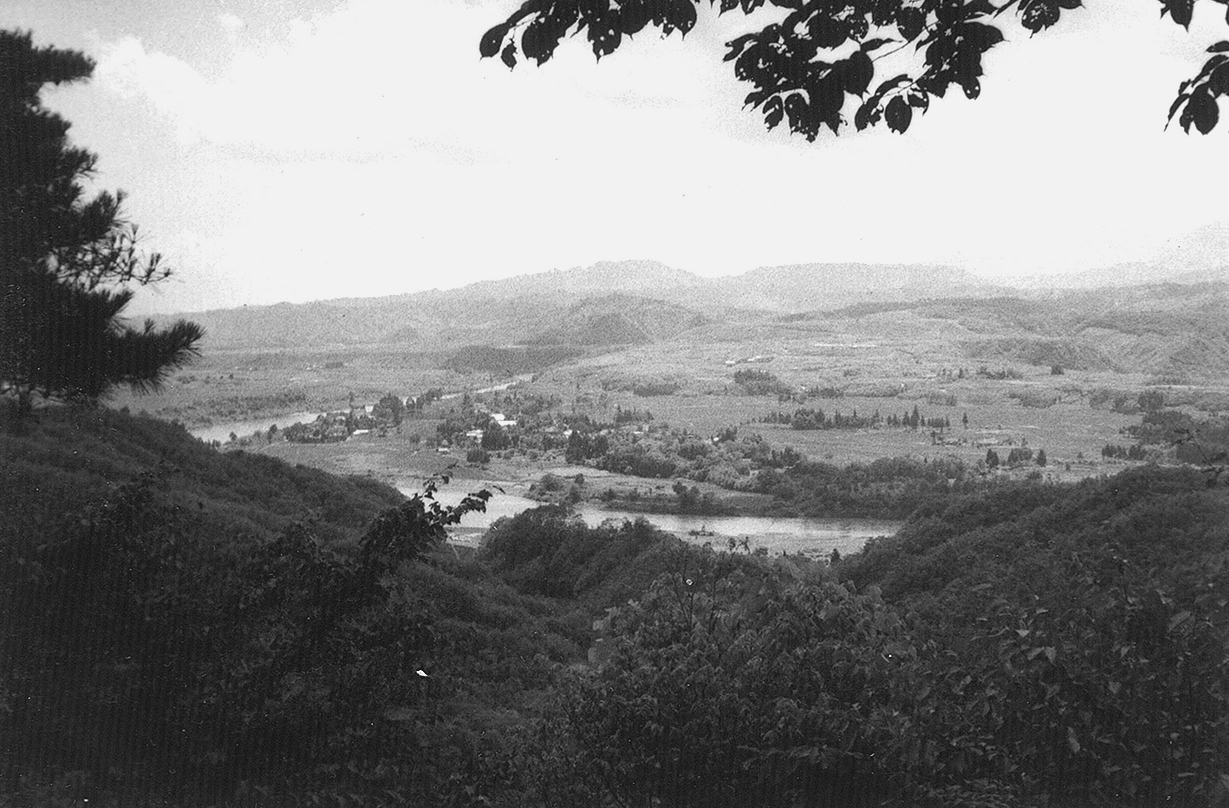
x,y
886,363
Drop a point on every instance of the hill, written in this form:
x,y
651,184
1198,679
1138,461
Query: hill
x,y
602,278
198,628
1157,329
524,325
190,627
619,320
511,311
498,312
1191,258
65,465
809,287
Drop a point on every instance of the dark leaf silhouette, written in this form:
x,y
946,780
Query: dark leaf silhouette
x,y
1179,11
491,40
793,58
898,114
1201,110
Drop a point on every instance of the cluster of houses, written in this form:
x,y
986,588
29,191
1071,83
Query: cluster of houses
x,y
385,414
336,426
474,437
329,427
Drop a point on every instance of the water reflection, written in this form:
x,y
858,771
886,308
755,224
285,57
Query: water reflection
x,y
818,537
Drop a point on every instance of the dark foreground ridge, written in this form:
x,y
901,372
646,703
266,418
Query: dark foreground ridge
x,y
194,628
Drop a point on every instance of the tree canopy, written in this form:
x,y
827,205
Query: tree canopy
x,y
67,260
805,67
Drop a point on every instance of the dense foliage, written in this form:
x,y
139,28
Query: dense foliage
x,y
201,628
1199,441
214,621
752,382
65,261
885,488
1030,645
1091,622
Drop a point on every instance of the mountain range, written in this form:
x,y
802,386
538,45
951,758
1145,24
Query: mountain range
x,y
1167,313
627,300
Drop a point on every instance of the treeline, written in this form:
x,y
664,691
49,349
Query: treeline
x,y
1116,452
998,374
890,488
805,418
729,459
631,415
1199,441
887,488
1021,455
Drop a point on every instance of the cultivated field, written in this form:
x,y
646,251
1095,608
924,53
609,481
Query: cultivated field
x,y
887,363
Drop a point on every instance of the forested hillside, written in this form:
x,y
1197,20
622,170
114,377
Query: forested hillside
x,y
197,628
189,627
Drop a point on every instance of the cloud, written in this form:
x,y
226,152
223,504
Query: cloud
x,y
231,24
372,142
384,77
170,85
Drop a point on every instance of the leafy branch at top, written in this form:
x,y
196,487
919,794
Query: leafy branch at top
x,y
803,67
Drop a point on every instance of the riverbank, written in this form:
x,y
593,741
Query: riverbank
x,y
812,537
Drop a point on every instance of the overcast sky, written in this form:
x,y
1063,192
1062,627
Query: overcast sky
x,y
278,150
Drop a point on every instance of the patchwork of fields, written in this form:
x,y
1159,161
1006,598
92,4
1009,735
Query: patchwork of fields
x,y
884,363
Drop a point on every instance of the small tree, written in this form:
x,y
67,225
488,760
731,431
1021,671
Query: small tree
x,y
992,459
1151,401
389,409
65,261
495,438
1041,457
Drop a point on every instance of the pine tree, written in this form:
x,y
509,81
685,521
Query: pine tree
x,y
66,262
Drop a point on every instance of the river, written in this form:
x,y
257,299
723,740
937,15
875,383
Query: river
x,y
221,431
811,536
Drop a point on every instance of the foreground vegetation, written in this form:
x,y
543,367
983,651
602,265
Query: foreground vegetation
x,y
196,628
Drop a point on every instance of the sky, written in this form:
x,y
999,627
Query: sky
x,y
279,150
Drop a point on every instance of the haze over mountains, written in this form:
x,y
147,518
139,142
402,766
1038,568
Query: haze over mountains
x,y
629,301
620,298
1201,256
1168,312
